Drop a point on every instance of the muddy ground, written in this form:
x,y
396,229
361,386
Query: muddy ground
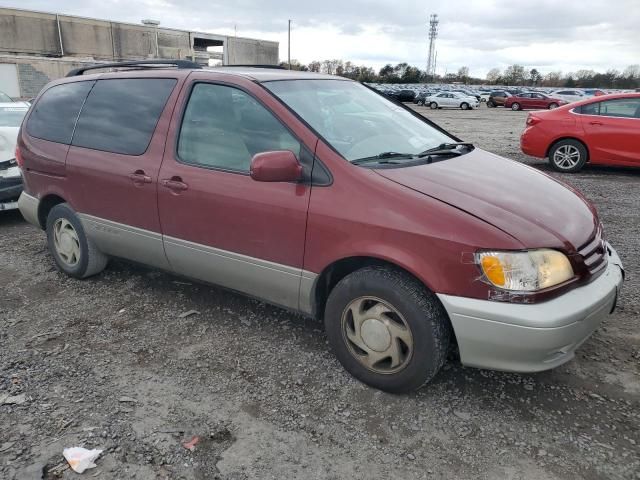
x,y
109,363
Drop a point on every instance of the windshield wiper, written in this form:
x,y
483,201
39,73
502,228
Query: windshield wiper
x,y
445,149
383,158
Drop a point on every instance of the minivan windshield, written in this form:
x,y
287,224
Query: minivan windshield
x,y
357,122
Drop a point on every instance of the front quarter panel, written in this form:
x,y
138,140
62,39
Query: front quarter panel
x,y
365,215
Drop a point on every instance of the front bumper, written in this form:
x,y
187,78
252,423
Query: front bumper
x,y
536,337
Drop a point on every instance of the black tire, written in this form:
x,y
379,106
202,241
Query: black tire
x,y
515,106
464,106
552,106
568,144
433,105
491,104
422,312
91,260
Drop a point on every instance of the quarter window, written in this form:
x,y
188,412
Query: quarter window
x,y
120,115
54,115
224,127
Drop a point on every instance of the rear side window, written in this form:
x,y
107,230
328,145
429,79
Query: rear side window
x,y
120,115
54,116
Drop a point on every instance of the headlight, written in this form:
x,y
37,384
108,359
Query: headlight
x,y
525,271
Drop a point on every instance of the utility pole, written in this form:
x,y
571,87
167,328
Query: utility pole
x,y
289,46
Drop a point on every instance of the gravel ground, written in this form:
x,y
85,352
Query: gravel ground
x,y
110,363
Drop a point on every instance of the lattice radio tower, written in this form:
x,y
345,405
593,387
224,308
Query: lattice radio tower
x,y
433,34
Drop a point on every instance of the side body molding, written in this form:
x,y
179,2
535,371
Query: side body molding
x,y
283,285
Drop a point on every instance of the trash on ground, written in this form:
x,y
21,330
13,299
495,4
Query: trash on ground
x,y
191,444
126,399
14,400
189,313
81,459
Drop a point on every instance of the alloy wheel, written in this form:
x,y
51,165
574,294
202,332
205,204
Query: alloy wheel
x,y
377,335
566,157
66,242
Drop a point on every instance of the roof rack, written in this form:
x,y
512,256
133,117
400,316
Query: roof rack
x,y
277,67
180,64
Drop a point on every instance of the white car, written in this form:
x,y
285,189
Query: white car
x,y
484,96
451,100
11,115
568,95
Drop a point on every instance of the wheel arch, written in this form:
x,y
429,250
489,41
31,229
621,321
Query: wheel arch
x,y
47,202
339,269
568,137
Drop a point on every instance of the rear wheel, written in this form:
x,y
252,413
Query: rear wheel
x,y
433,105
552,106
386,329
515,106
568,156
74,253
464,106
491,104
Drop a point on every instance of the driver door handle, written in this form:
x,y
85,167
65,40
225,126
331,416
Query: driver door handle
x,y
139,177
175,184
595,122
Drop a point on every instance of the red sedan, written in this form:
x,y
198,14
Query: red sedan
x,y
604,130
532,100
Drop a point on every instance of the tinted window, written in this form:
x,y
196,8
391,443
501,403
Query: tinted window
x,y
224,127
120,115
590,109
54,116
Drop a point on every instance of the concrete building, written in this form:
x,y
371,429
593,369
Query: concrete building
x,y
37,47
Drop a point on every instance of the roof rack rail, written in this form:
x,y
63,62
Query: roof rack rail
x,y
277,67
180,64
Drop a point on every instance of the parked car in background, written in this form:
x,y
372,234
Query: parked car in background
x,y
568,95
263,181
467,93
484,96
593,92
404,95
497,98
601,131
11,115
451,100
532,100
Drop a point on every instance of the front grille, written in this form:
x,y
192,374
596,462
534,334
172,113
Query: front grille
x,y
594,252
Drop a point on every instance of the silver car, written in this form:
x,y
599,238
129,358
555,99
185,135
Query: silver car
x,y
451,100
11,115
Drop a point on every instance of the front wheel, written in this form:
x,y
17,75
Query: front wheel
x,y
433,106
74,253
552,106
490,104
464,106
515,106
386,329
568,156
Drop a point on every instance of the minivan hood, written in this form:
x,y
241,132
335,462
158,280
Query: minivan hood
x,y
529,205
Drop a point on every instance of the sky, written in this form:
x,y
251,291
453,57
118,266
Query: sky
x,y
548,35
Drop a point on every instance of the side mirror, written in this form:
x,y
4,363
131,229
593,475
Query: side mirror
x,y
278,166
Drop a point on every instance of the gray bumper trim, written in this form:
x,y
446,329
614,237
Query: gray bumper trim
x,y
28,206
536,337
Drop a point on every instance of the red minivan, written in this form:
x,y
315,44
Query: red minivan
x,y
315,193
